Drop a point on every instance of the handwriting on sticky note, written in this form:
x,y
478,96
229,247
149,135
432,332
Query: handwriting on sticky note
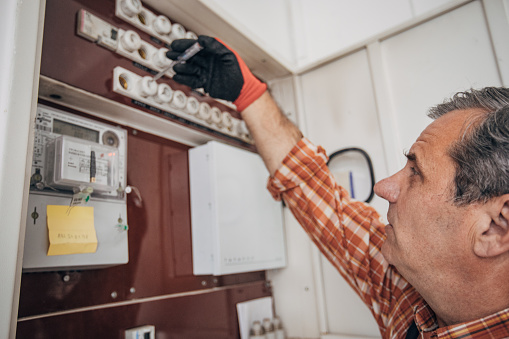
x,y
71,231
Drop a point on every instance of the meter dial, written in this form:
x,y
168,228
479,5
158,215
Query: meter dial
x,y
110,139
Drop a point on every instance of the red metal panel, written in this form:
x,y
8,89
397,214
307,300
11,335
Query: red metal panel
x,y
160,256
211,315
160,253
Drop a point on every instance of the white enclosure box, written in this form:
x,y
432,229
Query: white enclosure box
x,y
236,225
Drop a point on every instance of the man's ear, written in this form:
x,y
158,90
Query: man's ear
x,y
492,237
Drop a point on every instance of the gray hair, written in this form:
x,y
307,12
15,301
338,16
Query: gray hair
x,y
482,155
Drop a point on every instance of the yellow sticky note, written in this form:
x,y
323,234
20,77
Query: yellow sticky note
x,y
71,231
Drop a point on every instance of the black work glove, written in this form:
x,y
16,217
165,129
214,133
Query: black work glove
x,y
218,70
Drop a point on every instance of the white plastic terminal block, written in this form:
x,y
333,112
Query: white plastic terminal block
x,y
133,47
157,26
227,120
125,43
191,35
204,112
130,40
131,7
160,59
179,100
164,94
163,97
242,129
147,87
193,105
177,32
216,116
162,25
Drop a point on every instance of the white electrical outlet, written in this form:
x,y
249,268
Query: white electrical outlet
x,y
142,332
163,97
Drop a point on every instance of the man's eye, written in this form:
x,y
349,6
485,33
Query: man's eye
x,y
413,171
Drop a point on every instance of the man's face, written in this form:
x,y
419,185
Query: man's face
x,y
428,237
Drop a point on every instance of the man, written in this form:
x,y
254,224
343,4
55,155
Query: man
x,y
440,268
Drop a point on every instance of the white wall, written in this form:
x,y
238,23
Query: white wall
x,y
268,22
422,6
302,32
19,60
294,287
428,63
329,26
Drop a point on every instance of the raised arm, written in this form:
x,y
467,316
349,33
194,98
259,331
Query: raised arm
x,y
349,233
224,75
273,133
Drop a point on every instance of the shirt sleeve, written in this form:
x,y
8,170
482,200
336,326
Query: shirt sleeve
x,y
348,232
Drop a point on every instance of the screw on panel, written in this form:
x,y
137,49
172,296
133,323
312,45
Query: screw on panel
x,y
114,295
132,290
34,214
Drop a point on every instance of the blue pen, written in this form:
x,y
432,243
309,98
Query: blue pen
x,y
352,194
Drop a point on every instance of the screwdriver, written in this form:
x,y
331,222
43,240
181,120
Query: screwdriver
x,y
92,166
188,53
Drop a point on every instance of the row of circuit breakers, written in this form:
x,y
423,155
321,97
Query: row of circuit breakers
x,y
144,89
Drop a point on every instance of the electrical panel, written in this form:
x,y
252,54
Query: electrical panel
x,y
101,60
236,225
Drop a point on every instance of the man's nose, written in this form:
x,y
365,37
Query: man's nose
x,y
388,188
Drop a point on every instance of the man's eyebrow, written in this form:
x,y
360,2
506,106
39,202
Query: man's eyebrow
x,y
413,158
410,156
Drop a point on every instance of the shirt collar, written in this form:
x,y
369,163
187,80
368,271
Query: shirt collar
x,y
424,317
495,325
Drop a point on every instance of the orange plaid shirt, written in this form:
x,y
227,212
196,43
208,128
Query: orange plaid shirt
x,y
350,234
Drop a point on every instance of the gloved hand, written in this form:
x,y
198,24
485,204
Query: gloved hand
x,y
218,70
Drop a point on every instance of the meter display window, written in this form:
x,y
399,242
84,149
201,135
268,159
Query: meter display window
x,y
65,128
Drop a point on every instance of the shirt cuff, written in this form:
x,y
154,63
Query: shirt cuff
x,y
301,164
